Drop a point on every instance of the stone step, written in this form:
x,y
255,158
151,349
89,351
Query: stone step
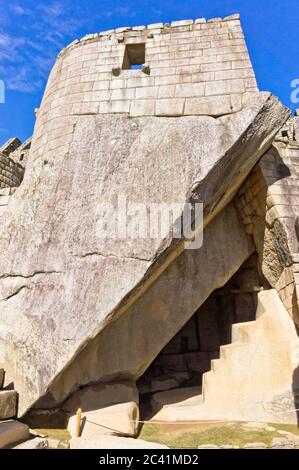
x,y
8,404
12,433
2,375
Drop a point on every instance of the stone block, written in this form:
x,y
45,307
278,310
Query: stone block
x,y
138,28
147,92
142,107
255,445
200,77
208,446
236,102
124,29
108,32
85,108
250,82
236,16
214,20
168,80
107,107
123,94
239,64
190,141
12,432
166,91
281,443
246,73
155,26
103,85
121,418
232,57
170,107
8,404
113,442
140,81
181,23
199,60
176,62
248,97
223,50
225,87
96,96
186,90
36,443
215,67
210,106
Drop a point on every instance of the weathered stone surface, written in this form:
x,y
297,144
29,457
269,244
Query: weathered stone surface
x,y
61,284
164,382
263,349
255,445
122,419
112,442
229,446
281,443
114,354
101,395
36,443
56,444
268,203
208,446
293,438
10,146
12,432
106,409
8,404
2,375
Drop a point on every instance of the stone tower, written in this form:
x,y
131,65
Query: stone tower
x,y
164,114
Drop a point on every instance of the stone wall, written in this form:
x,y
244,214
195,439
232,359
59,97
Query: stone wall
x,y
269,204
192,68
16,150
11,173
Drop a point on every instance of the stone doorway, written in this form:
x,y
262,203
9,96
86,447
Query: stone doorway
x,y
184,360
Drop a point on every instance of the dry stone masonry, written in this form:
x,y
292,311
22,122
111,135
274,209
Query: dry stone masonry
x,y
11,432
192,68
168,113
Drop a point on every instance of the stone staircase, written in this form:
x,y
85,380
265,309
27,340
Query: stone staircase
x,y
12,432
254,379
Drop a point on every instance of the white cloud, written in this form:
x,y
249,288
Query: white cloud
x,y
53,9
31,38
4,40
118,11
19,10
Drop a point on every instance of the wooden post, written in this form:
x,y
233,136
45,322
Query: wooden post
x,y
78,422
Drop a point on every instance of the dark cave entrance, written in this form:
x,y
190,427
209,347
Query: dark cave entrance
x,y
185,359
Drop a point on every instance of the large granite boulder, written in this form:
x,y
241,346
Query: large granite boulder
x,y
62,284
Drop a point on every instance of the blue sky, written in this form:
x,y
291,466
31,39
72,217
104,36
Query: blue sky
x,y
33,32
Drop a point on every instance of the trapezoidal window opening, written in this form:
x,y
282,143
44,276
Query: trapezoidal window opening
x,y
134,57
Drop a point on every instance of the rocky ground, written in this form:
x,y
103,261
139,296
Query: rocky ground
x,y
212,435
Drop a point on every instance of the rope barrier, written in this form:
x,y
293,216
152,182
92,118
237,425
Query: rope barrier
x,y
158,422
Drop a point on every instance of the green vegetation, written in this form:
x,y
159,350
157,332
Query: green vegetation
x,y
50,425
192,435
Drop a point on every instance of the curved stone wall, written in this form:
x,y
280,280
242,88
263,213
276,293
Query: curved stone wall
x,y
192,68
